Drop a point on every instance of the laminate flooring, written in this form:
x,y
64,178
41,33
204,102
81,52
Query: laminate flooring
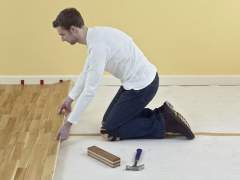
x,y
28,127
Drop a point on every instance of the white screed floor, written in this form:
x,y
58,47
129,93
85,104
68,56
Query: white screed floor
x,y
206,108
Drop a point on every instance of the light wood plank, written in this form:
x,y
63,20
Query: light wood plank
x,y
28,127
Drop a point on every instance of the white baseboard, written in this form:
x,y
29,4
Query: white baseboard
x,y
200,80
109,80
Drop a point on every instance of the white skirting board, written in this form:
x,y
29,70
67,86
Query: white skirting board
x,y
108,80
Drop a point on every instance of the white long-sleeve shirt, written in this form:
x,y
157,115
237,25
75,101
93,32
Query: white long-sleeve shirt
x,y
110,50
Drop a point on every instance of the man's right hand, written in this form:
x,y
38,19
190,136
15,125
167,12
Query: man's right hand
x,y
65,108
63,133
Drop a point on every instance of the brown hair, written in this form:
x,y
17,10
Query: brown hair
x,y
67,18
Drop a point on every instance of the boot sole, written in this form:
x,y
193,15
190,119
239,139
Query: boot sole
x,y
180,120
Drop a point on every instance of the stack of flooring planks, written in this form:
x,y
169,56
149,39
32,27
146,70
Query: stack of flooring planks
x,y
104,156
28,127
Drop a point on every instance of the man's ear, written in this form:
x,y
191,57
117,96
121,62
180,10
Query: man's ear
x,y
73,29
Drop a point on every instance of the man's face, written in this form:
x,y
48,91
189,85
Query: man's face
x,y
67,35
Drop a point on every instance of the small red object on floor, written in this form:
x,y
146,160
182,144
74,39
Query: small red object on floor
x,y
41,82
22,82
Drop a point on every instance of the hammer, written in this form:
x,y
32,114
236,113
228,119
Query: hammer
x,y
136,167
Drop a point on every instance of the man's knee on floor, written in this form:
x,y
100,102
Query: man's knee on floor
x,y
108,135
108,124
108,131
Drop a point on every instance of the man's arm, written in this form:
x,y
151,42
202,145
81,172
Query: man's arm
x,y
79,85
65,108
94,73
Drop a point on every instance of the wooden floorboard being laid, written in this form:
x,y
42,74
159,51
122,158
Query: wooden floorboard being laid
x,y
28,127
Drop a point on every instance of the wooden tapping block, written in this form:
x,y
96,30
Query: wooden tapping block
x,y
104,156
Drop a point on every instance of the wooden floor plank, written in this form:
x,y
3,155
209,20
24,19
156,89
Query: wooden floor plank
x,y
28,127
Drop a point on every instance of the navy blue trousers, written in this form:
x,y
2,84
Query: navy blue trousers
x,y
128,118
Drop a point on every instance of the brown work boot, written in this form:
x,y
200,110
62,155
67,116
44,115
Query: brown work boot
x,y
175,122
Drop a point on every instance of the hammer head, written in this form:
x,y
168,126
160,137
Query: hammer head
x,y
135,168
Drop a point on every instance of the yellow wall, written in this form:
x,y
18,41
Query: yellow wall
x,y
179,36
